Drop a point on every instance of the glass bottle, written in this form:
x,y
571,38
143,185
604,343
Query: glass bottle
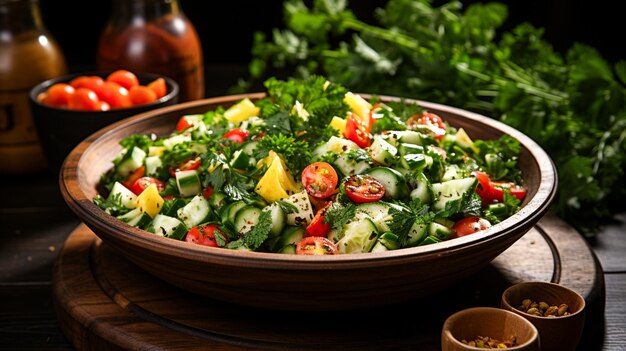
x,y
153,36
28,56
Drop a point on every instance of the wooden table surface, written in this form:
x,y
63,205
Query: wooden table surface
x,y
35,222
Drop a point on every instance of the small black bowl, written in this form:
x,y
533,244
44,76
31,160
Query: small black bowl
x,y
60,129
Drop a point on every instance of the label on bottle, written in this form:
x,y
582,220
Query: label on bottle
x,y
19,145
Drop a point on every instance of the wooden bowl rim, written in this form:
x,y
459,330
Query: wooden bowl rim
x,y
523,285
99,221
498,312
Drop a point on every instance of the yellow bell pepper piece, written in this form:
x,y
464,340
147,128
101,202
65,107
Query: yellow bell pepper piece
x,y
149,201
359,106
276,183
241,111
156,150
338,124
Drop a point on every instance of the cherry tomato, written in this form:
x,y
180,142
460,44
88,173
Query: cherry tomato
x,y
319,179
159,87
207,192
317,227
58,95
493,191
140,95
132,178
430,121
93,83
357,132
316,245
142,183
470,225
237,135
188,165
84,99
360,189
205,235
115,95
183,123
124,78
169,197
104,106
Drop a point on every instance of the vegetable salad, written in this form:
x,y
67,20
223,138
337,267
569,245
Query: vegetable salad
x,y
313,169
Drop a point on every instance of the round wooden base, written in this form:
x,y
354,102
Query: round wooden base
x,y
104,302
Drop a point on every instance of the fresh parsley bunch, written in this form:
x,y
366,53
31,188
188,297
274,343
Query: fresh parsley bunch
x,y
573,105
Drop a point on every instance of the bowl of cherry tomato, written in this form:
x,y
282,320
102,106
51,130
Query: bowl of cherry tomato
x,y
68,109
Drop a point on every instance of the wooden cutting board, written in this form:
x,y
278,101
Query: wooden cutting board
x,y
104,302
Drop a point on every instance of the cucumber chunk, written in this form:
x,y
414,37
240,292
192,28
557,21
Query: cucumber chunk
x,y
360,236
393,181
246,219
188,183
197,211
127,198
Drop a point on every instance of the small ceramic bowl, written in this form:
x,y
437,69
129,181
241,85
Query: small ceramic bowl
x,y
490,322
556,333
60,130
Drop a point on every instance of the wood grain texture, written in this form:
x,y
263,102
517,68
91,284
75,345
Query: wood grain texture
x,y
333,282
615,327
105,300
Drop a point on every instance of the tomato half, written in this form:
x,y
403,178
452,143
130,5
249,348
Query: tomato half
x,y
316,245
357,132
430,121
142,183
493,191
188,165
470,225
132,178
237,135
124,78
205,235
317,227
185,122
319,180
361,188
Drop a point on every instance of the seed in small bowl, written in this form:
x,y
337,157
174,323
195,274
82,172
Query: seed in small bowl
x,y
543,309
491,343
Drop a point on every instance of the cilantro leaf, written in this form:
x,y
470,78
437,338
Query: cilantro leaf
x,y
339,215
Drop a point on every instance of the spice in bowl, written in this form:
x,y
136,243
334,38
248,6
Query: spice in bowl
x,y
543,309
491,343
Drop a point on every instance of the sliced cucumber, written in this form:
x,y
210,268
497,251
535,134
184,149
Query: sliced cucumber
x,y
451,190
452,172
415,162
153,164
396,137
188,183
440,231
246,219
136,218
393,181
383,152
288,249
430,240
240,160
389,240
131,162
378,212
218,199
360,236
423,190
197,211
170,207
410,149
279,219
228,213
289,236
176,139
348,166
379,247
127,198
335,145
167,226
417,234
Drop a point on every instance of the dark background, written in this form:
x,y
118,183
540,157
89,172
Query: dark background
x,y
226,27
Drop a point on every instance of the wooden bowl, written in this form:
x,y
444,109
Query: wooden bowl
x,y
558,333
490,322
270,280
